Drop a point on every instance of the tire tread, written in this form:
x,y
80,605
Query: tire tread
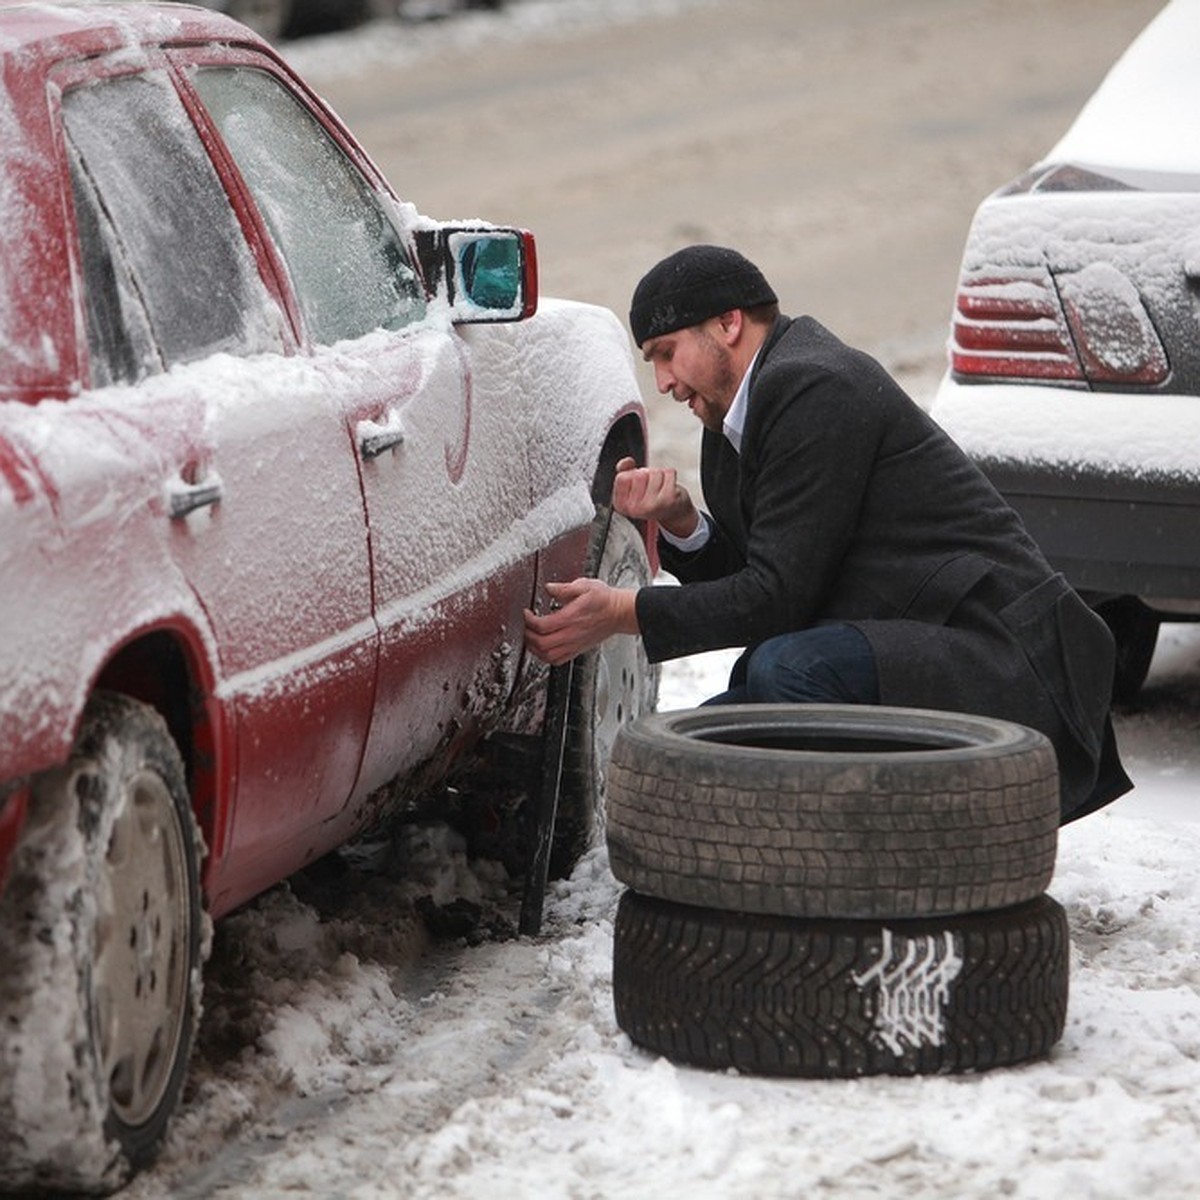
x,y
821,839
774,996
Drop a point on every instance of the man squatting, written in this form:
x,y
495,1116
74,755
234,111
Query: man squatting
x,y
849,544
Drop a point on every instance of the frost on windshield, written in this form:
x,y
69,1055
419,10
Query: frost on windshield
x,y
348,265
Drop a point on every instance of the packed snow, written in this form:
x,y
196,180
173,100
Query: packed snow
x,y
352,1048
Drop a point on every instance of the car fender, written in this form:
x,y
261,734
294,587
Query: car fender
x,y
569,374
83,522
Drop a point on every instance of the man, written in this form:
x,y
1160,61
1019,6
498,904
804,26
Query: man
x,y
850,545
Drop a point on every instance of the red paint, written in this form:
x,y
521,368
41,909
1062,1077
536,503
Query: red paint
x,y
323,623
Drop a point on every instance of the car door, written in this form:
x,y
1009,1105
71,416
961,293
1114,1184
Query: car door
x,y
444,485
258,486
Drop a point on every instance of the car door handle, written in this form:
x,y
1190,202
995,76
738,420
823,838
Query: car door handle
x,y
184,498
375,438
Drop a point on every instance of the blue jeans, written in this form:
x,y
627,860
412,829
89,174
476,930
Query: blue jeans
x,y
827,664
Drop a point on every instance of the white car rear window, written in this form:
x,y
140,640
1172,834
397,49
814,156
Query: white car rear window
x,y
1143,116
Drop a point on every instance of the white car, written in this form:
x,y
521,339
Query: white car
x,y
1074,374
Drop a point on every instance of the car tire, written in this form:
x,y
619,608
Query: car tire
x,y
1134,627
837,999
101,939
610,686
833,811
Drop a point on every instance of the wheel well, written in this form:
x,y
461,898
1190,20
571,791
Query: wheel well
x,y
626,439
158,670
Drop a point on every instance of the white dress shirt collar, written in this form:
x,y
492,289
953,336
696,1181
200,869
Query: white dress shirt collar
x,y
735,419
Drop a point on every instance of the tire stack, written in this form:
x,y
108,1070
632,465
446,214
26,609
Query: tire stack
x,y
835,891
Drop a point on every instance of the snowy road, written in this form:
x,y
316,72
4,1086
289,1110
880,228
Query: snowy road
x,y
841,146
345,1054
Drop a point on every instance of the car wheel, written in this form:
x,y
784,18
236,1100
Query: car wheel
x,y
268,18
837,999
610,686
1134,627
100,936
833,811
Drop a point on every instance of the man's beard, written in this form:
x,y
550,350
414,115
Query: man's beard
x,y
712,408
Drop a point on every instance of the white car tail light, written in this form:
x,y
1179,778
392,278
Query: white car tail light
x,y
1084,327
1011,324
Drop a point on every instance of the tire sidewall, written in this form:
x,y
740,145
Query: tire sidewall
x,y
941,813
597,685
946,740
137,741
49,929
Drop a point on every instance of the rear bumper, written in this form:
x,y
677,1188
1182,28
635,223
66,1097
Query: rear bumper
x,y
1108,484
1110,534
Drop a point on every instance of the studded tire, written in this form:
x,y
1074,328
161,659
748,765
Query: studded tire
x,y
836,999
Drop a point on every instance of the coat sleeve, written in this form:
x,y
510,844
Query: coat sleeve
x,y
717,558
808,452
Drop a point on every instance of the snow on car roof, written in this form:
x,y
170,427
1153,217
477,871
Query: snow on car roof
x,y
1142,115
24,24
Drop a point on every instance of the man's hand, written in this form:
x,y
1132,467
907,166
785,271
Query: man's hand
x,y
586,612
654,494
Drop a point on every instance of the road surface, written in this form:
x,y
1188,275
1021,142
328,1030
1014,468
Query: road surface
x,y
841,144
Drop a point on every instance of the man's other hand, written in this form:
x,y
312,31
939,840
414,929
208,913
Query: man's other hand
x,y
654,494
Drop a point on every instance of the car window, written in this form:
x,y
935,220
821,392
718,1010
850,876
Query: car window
x,y
168,273
349,267
120,343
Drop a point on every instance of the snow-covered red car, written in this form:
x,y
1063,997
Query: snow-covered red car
x,y
1074,377
282,462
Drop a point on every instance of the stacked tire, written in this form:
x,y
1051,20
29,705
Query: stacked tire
x,y
835,891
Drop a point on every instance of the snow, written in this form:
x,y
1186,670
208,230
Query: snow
x,y
1141,435
1097,245
345,1054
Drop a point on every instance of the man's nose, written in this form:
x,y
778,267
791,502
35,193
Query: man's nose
x,y
664,380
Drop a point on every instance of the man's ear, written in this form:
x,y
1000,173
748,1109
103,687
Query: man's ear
x,y
732,323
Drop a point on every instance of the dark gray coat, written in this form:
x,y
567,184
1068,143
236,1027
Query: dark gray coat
x,y
849,503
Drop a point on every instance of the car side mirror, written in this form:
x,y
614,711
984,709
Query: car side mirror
x,y
481,273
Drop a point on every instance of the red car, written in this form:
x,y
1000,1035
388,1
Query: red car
x,y
281,464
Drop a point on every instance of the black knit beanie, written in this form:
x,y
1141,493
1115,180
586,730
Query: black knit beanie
x,y
690,286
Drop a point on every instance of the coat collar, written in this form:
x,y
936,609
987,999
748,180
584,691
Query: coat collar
x,y
781,326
